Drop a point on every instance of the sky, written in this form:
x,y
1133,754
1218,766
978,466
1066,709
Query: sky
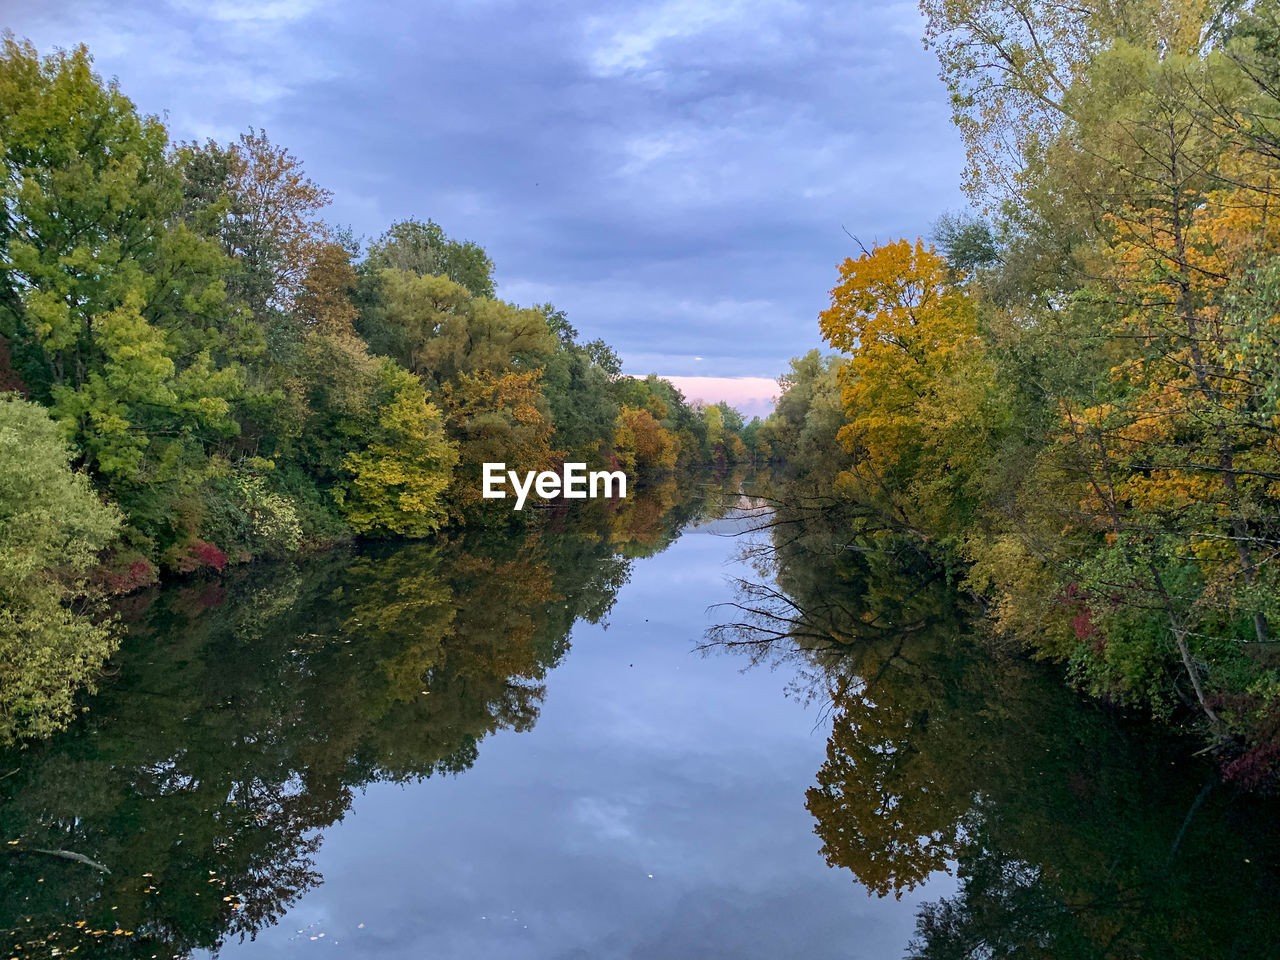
x,y
681,176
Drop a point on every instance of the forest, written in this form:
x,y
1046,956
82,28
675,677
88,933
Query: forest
x,y
1067,400
197,370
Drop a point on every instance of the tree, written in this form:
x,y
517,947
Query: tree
x,y
1138,543
714,417
398,482
116,310
52,527
914,388
578,383
424,249
732,417
809,413
263,209
325,301
497,418
643,445
1162,471
438,329
1012,67
967,242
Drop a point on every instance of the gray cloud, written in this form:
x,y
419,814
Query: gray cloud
x,y
677,175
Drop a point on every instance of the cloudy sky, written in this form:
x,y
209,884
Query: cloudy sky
x,y
677,175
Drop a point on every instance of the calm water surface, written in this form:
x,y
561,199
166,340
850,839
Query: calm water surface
x,y
511,747
655,810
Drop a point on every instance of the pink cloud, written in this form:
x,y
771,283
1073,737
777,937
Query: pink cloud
x,y
754,396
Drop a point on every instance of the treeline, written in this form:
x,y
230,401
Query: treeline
x,y
1071,400
196,370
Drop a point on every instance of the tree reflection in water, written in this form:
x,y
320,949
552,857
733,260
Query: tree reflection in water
x,y
244,713
1073,831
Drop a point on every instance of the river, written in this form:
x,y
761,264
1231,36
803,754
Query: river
x,y
518,747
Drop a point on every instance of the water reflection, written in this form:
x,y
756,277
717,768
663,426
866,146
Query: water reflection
x,y
1073,831
244,715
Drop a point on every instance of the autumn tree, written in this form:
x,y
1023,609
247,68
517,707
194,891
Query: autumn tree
x,y
1138,173
399,478
266,215
914,389
497,418
643,445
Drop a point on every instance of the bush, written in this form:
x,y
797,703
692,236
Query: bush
x,y
52,527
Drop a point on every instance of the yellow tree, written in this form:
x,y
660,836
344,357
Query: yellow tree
x,y
397,482
913,389
643,444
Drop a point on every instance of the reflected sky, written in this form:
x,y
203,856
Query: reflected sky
x,y
655,810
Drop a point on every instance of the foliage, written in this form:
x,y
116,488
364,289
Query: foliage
x,y
913,389
424,249
52,527
232,373
643,444
398,481
1073,407
98,274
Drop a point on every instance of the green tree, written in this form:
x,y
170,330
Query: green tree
x,y
809,413
100,279
52,527
714,417
398,481
438,329
578,383
424,249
